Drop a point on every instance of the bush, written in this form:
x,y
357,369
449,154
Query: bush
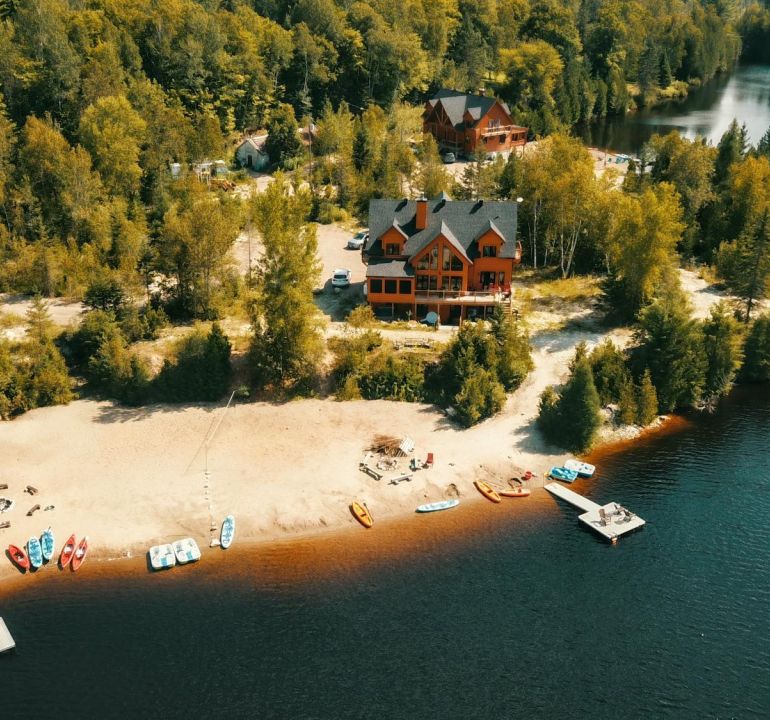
x,y
481,396
394,378
115,371
756,366
611,376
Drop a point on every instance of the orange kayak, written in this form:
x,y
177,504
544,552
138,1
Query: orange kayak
x,y
487,491
516,492
362,514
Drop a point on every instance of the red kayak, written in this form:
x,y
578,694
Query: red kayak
x,y
67,552
19,557
80,554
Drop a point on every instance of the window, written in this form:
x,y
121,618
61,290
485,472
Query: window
x,y
501,279
457,264
434,258
375,286
422,263
447,259
405,287
457,283
391,287
422,282
489,251
451,282
393,249
494,124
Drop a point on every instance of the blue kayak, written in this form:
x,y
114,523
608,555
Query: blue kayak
x,y
435,506
35,552
228,531
563,474
48,544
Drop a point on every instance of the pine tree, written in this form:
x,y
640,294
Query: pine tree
x,y
666,77
627,407
756,367
514,353
723,342
647,402
283,143
730,150
763,147
578,409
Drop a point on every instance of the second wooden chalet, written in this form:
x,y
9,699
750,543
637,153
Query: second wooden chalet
x,y
454,258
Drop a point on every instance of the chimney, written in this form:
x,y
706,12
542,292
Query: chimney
x,y
421,215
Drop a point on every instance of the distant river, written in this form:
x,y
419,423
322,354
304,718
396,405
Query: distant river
x,y
707,111
484,612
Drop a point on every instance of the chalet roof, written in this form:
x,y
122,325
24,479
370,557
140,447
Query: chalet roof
x,y
254,142
392,269
462,222
456,104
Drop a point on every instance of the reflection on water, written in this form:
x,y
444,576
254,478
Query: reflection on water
x,y
486,611
706,112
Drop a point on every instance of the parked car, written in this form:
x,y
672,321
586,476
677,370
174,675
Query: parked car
x,y
358,240
449,157
341,278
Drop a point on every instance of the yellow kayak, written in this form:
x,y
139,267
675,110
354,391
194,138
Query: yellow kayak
x,y
362,514
487,491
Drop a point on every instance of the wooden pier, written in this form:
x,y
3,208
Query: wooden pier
x,y
6,641
610,520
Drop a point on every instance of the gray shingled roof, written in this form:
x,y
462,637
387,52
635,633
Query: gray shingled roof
x,y
456,103
392,269
464,220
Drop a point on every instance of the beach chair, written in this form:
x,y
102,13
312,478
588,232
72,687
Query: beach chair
x,y
428,461
33,510
31,490
4,486
5,525
603,517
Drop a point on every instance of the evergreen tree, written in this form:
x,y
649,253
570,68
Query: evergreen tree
x,y
580,403
283,142
666,76
730,150
647,401
756,367
611,375
628,410
514,353
481,395
763,147
723,342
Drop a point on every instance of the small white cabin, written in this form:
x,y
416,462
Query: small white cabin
x,y
251,154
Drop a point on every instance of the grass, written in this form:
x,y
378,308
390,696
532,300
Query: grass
x,y
10,320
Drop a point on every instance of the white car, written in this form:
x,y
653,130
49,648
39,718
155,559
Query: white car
x,y
341,278
358,240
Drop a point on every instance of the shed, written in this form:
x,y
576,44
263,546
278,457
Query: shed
x,y
251,153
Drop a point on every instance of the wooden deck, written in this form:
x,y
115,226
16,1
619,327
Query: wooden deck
x,y
610,520
6,641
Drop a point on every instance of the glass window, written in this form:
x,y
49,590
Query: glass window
x,y
434,258
457,283
489,251
457,264
391,287
422,263
405,287
393,249
375,286
432,280
501,279
422,282
447,259
445,282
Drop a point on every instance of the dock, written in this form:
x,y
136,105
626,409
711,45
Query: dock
x,y
610,521
6,641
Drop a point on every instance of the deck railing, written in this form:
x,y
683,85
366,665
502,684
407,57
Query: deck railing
x,y
494,293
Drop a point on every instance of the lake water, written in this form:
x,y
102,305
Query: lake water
x,y
486,611
706,112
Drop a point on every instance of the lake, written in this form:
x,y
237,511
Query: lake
x,y
486,611
706,112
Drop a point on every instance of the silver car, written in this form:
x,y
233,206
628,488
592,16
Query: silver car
x,y
358,240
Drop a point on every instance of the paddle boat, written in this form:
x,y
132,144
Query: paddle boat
x,y
34,552
186,550
487,491
80,554
362,514
436,506
47,544
67,551
19,557
563,474
516,492
227,533
162,556
581,468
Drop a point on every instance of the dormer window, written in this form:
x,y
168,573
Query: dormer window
x,y
489,251
393,249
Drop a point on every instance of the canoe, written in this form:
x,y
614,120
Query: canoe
x,y
227,533
79,556
362,514
436,506
19,557
581,468
563,474
47,544
487,491
67,551
34,552
516,492
162,556
186,550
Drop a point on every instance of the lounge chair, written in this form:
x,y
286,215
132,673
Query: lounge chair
x,y
31,490
33,510
428,461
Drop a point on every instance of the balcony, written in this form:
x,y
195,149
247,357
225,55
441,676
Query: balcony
x,y
493,295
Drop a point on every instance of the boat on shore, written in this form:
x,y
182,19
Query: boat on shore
x,y
227,532
34,552
19,557
583,469
436,506
186,550
79,556
162,556
486,490
48,544
563,474
67,551
516,492
362,514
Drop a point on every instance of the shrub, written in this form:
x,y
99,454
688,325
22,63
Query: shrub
x,y
756,367
115,371
514,353
611,376
481,395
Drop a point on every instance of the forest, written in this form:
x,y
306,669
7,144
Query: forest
x,y
98,98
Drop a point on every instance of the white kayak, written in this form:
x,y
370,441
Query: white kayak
x,y
162,556
581,468
435,506
228,530
186,550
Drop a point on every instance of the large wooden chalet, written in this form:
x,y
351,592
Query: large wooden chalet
x,y
454,258
467,124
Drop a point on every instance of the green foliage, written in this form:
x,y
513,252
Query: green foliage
x,y
756,367
361,316
514,353
628,410
392,377
105,294
283,143
611,375
481,395
723,343
113,370
647,401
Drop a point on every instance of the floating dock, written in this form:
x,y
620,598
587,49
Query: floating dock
x,y
610,520
6,641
